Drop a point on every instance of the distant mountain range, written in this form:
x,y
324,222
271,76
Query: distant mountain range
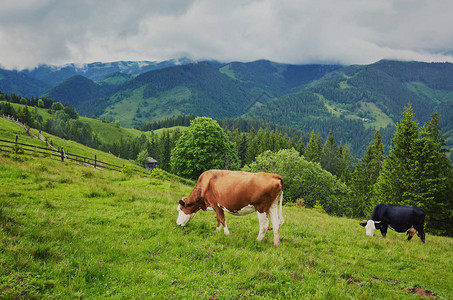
x,y
38,80
353,101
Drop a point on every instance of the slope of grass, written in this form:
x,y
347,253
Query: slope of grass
x,y
8,131
437,95
108,132
69,231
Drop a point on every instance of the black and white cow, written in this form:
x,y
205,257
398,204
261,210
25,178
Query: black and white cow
x,y
397,217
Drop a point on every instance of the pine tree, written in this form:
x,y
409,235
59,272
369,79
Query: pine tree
x,y
394,184
252,147
416,172
300,147
313,150
432,183
330,155
365,176
344,163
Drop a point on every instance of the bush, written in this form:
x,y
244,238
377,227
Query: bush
x,y
305,180
127,170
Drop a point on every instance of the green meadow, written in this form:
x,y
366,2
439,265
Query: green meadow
x,y
70,231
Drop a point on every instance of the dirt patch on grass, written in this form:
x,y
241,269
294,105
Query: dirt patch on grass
x,y
421,292
352,281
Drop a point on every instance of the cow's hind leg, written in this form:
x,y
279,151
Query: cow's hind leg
x,y
264,224
275,220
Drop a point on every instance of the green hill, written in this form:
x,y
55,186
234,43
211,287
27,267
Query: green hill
x,y
14,82
195,88
107,132
70,231
8,131
75,91
355,101
275,79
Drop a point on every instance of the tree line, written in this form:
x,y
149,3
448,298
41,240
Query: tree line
x,y
317,172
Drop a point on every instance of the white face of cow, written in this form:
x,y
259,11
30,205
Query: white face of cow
x,y
183,219
370,227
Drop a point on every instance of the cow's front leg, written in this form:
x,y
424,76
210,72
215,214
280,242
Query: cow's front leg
x,y
264,224
221,220
384,230
218,225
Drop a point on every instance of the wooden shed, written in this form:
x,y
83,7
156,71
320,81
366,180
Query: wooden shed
x,y
150,163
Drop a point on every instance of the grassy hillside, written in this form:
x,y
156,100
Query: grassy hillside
x,y
107,132
8,131
70,231
195,88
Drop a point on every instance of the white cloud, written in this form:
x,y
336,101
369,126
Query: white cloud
x,y
292,31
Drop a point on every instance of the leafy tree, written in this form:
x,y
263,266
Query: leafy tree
x,y
305,180
203,146
56,106
142,157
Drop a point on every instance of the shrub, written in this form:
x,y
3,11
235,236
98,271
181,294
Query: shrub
x,y
305,180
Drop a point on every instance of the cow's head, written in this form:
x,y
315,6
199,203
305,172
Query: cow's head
x,y
188,206
370,226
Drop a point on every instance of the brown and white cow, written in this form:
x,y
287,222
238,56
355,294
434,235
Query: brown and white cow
x,y
238,193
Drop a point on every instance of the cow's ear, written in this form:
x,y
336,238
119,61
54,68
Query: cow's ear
x,y
363,224
182,203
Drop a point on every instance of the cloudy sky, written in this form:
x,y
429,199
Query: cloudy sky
x,y
291,31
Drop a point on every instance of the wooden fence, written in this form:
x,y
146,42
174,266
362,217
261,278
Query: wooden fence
x,y
60,154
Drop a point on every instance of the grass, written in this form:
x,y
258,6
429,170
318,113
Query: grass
x,y
133,109
8,131
378,118
69,231
436,95
107,132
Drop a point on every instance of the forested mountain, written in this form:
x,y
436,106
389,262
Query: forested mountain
x,y
275,79
14,82
206,88
75,90
189,89
53,75
353,101
356,100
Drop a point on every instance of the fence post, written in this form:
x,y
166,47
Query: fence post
x,y
16,140
62,154
95,161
